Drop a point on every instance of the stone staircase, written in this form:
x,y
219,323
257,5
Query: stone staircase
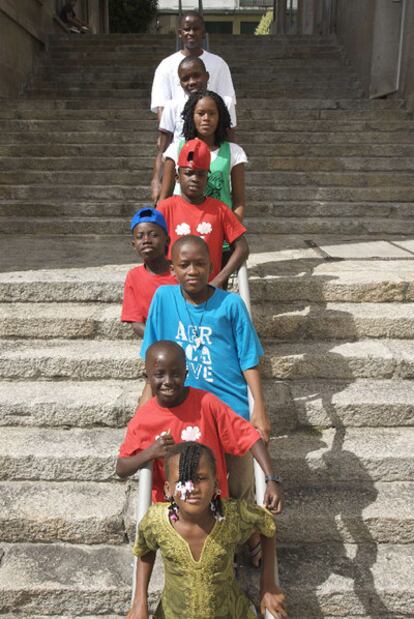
x,y
331,218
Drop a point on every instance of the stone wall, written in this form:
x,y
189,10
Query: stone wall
x,y
24,28
354,27
356,24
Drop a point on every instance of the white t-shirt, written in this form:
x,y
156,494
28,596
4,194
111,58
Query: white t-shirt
x,y
237,155
166,84
172,121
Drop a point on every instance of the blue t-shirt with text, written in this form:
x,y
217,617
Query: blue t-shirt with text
x,y
218,337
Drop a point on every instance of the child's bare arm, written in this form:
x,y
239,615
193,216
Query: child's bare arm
x,y
164,140
259,418
138,328
139,608
271,596
145,395
239,255
131,464
273,498
168,179
238,190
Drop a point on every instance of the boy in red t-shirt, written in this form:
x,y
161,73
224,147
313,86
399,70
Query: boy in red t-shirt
x,y
150,239
177,413
193,213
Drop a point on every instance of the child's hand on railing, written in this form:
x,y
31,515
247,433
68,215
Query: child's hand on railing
x,y
161,446
272,599
273,498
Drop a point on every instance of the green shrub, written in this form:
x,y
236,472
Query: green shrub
x,y
131,15
265,24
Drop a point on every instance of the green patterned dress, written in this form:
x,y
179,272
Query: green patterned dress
x,y
207,588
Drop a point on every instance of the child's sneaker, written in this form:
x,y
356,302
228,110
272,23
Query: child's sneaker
x,y
74,29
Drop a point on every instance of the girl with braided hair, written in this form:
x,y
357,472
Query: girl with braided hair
x,y
197,535
206,117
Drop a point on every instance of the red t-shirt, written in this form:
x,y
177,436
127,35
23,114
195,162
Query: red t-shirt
x,y
140,287
212,220
201,417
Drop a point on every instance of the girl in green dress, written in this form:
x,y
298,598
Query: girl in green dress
x,y
197,535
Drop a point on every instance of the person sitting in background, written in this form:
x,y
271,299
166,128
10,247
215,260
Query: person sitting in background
x,y
68,16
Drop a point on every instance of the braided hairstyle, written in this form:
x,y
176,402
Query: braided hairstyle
x,y
190,454
224,122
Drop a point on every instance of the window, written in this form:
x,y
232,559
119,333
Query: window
x,y
219,27
248,27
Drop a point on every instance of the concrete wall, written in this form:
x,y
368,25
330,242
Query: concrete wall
x,y
407,67
24,28
366,40
355,30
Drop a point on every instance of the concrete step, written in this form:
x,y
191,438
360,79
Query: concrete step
x,y
244,112
360,402
265,225
327,68
304,459
78,360
79,513
284,150
102,513
379,513
40,403
118,359
111,91
343,456
358,513
275,178
63,579
57,455
347,580
312,211
340,321
138,124
318,579
342,361
300,321
331,104
291,269
245,137
97,192
298,81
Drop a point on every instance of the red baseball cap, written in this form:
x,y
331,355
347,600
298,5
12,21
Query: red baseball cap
x,y
195,154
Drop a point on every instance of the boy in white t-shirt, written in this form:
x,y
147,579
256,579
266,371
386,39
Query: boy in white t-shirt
x,y
166,84
193,78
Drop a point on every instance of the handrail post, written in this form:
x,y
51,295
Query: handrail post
x,y
244,292
143,503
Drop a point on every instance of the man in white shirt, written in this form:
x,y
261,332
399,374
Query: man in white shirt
x,y
166,84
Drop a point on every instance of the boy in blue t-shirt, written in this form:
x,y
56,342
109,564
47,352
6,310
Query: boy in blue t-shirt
x,y
220,342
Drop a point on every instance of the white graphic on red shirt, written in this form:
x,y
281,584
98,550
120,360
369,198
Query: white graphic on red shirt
x,y
191,433
204,228
182,229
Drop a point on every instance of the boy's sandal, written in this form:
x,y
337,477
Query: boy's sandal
x,y
256,555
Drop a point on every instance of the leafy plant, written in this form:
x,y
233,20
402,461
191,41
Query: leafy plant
x,y
131,15
265,24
